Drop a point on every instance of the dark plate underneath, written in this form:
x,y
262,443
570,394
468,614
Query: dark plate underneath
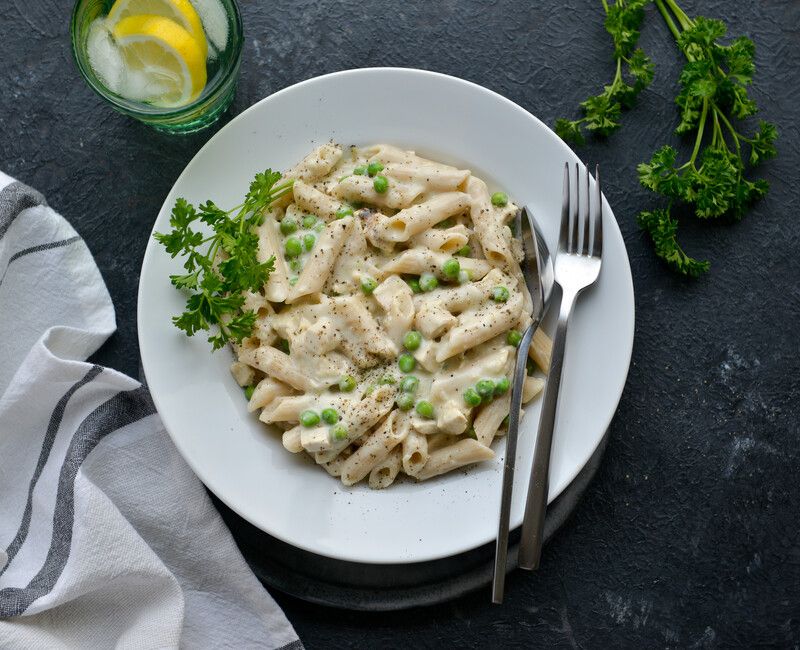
x,y
383,587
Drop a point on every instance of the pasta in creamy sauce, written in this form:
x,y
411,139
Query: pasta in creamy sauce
x,y
385,338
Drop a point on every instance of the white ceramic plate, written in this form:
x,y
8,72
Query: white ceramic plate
x,y
244,464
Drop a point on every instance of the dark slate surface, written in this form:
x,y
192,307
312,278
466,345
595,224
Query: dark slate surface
x,y
689,535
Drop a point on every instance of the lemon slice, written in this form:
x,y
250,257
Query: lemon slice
x,y
164,65
181,11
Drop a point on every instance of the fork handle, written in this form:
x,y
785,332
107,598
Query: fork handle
x,y
530,546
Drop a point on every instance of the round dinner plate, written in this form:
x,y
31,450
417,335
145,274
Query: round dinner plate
x,y
242,461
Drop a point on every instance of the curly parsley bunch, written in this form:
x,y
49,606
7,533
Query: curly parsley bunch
x,y
713,98
601,113
221,266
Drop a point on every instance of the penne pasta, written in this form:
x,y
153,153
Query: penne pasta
x,y
322,259
417,219
376,448
415,452
384,474
311,200
382,341
265,392
464,452
490,418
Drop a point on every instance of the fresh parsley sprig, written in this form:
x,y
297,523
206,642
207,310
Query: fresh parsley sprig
x,y
601,113
222,266
712,98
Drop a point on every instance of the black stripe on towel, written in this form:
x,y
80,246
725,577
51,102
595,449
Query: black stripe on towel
x,y
37,249
122,409
44,454
14,198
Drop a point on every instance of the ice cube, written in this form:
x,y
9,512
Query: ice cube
x,y
215,21
104,56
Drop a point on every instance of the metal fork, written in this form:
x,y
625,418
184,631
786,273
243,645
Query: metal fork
x,y
577,266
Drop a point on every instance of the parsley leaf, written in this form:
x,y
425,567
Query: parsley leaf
x,y
662,228
713,95
222,266
601,113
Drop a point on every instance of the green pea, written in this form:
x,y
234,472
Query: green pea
x,y
499,199
339,432
529,367
319,226
451,268
501,386
409,384
464,251
387,380
330,415
309,418
471,397
308,241
360,170
425,409
368,284
248,392
445,223
406,362
414,284
500,294
513,337
428,282
381,184
485,388
344,211
405,401
293,280
374,167
464,277
283,345
412,340
347,383
292,247
309,221
295,265
470,433
288,226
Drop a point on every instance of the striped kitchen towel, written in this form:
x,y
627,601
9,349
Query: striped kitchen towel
x,y
107,539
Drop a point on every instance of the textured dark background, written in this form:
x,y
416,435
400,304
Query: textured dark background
x,y
689,535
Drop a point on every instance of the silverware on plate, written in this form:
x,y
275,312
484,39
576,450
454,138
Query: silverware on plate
x,y
537,270
577,266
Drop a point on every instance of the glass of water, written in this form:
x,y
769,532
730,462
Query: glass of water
x,y
172,64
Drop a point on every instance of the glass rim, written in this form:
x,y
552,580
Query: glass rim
x,y
148,110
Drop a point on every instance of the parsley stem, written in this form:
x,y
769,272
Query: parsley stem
x,y
605,6
618,76
668,19
683,19
731,129
700,127
718,137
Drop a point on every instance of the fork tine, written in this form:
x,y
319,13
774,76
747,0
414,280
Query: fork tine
x,y
563,237
574,211
597,240
586,225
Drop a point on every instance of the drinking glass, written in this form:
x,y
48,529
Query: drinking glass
x,y
222,70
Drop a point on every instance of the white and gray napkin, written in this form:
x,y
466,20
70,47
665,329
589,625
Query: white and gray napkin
x,y
107,538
